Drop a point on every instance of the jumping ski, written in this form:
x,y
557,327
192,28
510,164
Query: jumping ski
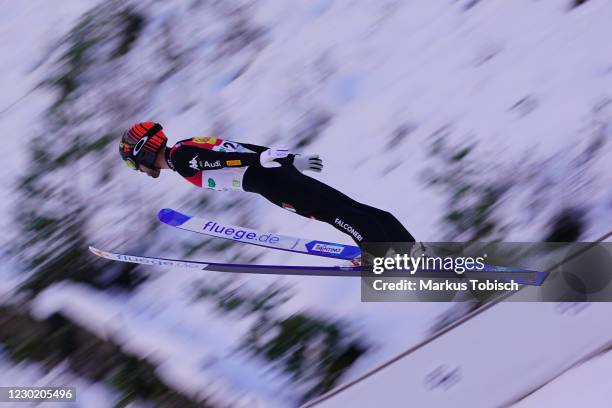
x,y
265,239
520,276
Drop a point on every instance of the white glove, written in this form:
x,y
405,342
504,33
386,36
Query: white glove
x,y
312,163
267,157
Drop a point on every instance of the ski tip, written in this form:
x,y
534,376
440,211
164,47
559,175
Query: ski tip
x,y
96,251
171,217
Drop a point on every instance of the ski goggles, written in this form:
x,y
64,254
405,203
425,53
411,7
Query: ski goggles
x,y
131,163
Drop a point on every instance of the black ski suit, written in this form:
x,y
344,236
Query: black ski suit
x,y
224,165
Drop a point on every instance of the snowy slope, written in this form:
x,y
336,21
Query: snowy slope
x,y
586,384
522,78
493,359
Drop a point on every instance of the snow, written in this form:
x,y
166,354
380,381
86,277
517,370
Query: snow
x,y
371,66
23,47
585,384
178,344
492,359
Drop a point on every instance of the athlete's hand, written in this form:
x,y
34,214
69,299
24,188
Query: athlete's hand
x,y
312,163
267,157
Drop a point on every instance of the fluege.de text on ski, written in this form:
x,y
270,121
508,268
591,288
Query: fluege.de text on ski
x,y
405,262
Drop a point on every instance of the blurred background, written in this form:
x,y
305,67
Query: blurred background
x,y
468,120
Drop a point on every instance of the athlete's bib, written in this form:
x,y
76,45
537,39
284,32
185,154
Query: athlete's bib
x,y
224,179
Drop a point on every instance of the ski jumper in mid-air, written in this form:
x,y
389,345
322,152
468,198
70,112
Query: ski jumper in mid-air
x,y
274,173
